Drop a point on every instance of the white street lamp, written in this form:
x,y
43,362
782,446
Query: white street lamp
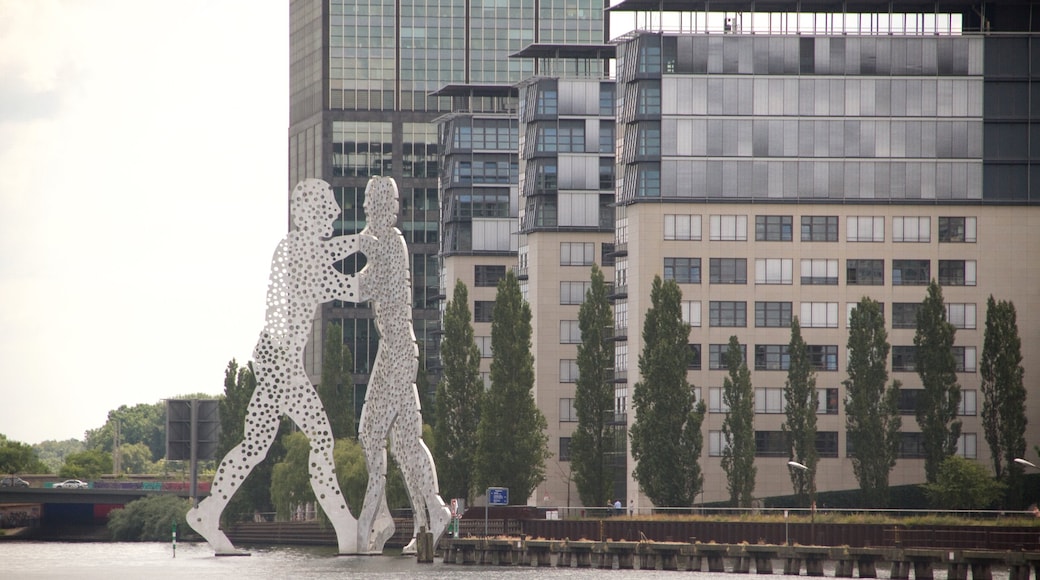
x,y
1028,463
812,496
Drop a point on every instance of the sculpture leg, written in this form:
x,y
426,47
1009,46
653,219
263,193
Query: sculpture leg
x,y
375,526
418,469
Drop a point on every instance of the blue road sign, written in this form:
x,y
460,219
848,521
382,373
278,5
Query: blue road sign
x,y
498,495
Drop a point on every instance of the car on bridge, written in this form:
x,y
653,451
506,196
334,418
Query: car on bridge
x,y
71,484
13,482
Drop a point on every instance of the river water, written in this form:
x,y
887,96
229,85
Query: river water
x,y
156,561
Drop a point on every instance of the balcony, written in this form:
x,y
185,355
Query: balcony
x,y
618,292
520,272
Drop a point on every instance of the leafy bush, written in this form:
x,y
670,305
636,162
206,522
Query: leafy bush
x,y
149,519
963,484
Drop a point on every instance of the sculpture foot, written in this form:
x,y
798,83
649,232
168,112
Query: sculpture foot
x,y
382,530
208,527
440,517
410,548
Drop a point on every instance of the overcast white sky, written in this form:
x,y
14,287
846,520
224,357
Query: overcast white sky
x,y
143,188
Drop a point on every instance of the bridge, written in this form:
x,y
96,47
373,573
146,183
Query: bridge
x,y
24,495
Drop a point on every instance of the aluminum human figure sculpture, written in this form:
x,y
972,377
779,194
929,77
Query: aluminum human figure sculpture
x,y
392,401
302,277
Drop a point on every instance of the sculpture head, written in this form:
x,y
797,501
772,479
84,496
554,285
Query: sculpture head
x,y
313,207
381,202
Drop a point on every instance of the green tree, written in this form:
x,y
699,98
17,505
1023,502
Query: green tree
x,y
336,389
938,401
52,453
86,465
1004,394
142,423
17,457
801,404
738,429
961,484
460,393
666,435
290,477
149,519
427,394
592,443
511,439
872,421
136,458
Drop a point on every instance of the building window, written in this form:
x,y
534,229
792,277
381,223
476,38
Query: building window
x,y
823,357
716,404
956,229
682,227
484,344
903,358
683,270
717,356
911,446
961,315
772,357
969,405
568,414
568,371
774,228
488,276
482,310
606,173
819,228
912,229
691,312
565,448
716,443
819,315
957,272
727,313
649,98
865,272
904,314
570,332
967,445
606,137
728,270
964,356
774,270
911,272
828,400
577,253
695,357
769,400
648,139
606,252
648,182
773,314
571,136
621,317
865,229
728,228
827,443
547,102
573,292
907,404
820,272
770,444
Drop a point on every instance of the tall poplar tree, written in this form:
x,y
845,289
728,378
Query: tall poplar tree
x,y
592,443
666,434
511,439
872,420
738,428
801,405
336,389
938,402
460,393
1003,392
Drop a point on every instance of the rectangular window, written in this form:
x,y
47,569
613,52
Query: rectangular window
x,y
865,229
819,315
728,228
691,312
969,405
965,358
573,292
568,370
727,313
770,444
577,253
606,251
728,270
819,228
683,270
570,332
773,314
823,357
820,272
911,446
961,315
903,358
865,272
904,314
907,404
695,357
715,443
957,272
717,356
774,270
967,445
827,443
482,310
828,401
565,448
772,357
716,404
568,414
682,227
912,229
488,276
957,229
774,228
911,272
484,344
769,400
